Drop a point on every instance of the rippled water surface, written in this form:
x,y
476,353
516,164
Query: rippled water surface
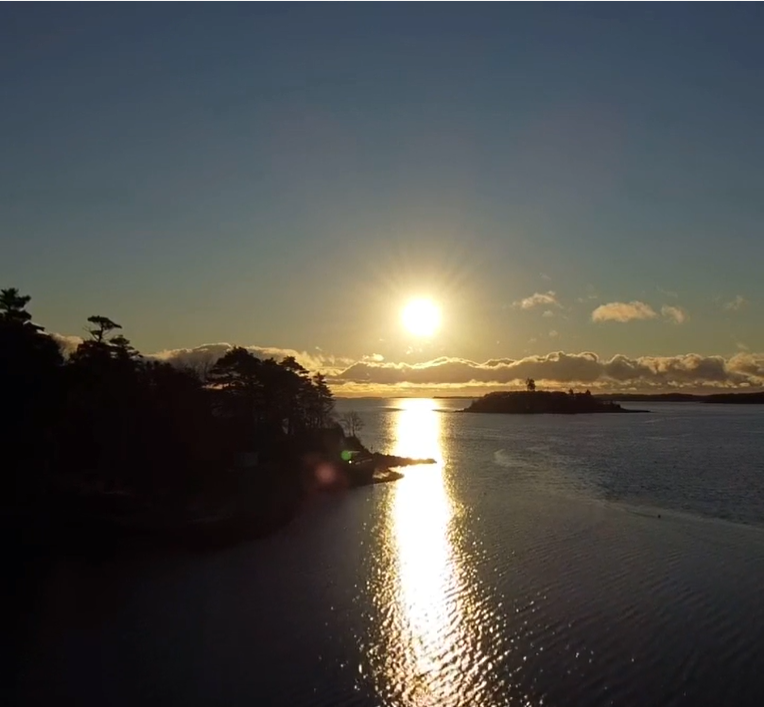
x,y
587,560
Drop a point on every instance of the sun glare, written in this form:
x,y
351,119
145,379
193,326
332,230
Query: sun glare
x,y
421,317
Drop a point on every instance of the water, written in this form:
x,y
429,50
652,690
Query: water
x,y
597,560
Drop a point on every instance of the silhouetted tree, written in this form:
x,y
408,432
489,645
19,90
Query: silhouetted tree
x,y
322,405
102,326
30,370
122,349
530,384
13,306
352,423
237,385
296,392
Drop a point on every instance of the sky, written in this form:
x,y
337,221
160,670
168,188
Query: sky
x,y
576,186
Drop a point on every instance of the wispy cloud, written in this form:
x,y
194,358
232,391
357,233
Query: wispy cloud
x,y
677,315
591,294
538,299
668,293
735,304
623,312
553,333
548,313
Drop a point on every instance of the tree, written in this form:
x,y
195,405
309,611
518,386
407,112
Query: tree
x,y
352,423
237,372
13,306
296,392
122,348
30,387
323,401
530,384
103,325
97,353
236,383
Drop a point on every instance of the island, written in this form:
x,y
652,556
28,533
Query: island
x,y
532,402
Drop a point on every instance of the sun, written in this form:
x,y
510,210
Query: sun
x,y
421,317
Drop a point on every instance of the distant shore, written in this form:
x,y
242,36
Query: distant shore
x,y
756,398
716,398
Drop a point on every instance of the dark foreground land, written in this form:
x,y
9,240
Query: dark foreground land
x,y
254,502
102,444
542,402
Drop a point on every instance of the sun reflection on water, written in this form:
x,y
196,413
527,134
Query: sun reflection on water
x,y
423,662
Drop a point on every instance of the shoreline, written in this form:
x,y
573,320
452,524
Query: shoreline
x,y
74,525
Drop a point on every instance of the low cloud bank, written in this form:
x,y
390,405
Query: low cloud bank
x,y
373,375
560,368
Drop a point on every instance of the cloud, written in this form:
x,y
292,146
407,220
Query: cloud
x,y
373,375
553,334
736,304
563,369
537,299
67,344
623,312
749,364
674,314
207,354
548,313
668,293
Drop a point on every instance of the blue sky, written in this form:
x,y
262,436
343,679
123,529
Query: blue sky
x,y
289,175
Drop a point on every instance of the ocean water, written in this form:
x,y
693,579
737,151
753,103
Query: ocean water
x,y
544,560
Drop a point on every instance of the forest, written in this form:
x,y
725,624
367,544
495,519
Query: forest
x,y
108,424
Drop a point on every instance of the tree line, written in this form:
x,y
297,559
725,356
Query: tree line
x,y
107,418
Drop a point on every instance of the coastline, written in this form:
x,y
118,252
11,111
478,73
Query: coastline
x,y
71,524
